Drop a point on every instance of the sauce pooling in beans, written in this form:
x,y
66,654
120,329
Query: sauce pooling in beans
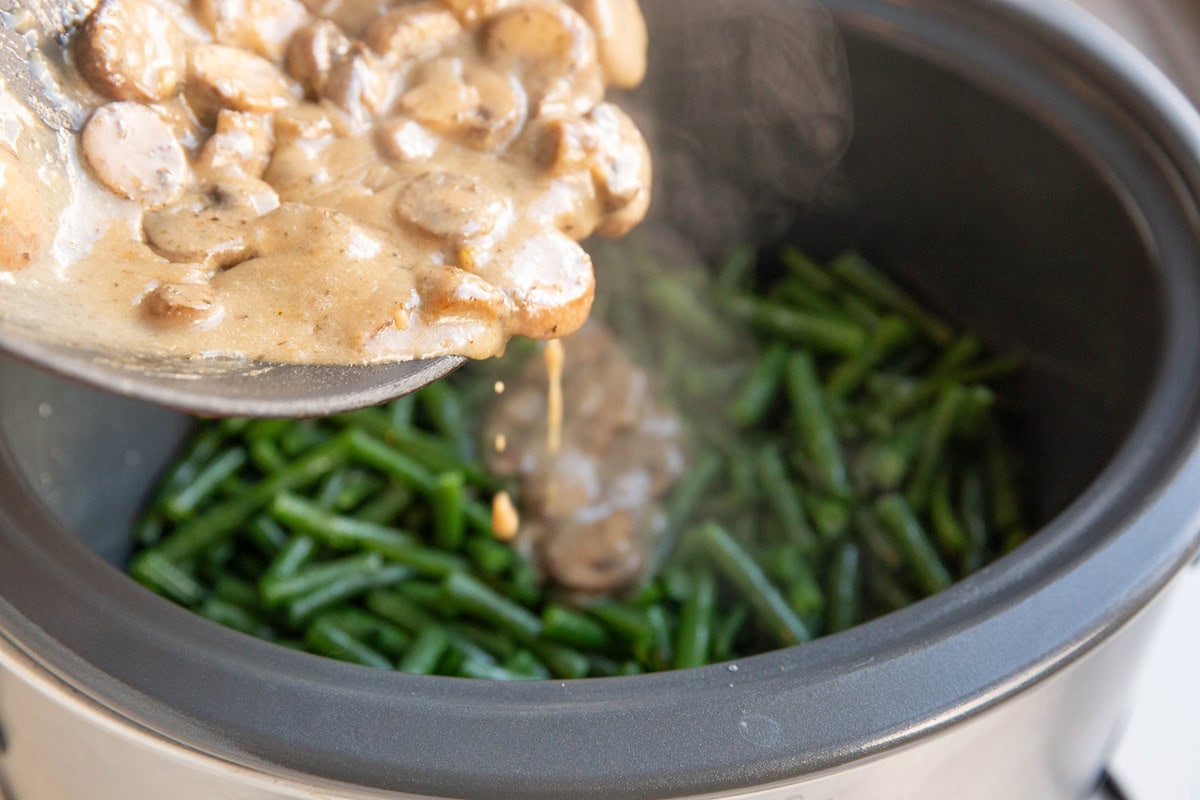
x,y
332,181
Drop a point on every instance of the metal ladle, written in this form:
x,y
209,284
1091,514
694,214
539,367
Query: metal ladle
x,y
203,386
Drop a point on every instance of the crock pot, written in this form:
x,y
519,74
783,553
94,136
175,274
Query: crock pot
x,y
1025,171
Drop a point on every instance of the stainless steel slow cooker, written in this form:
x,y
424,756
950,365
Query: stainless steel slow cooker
x,y
1028,173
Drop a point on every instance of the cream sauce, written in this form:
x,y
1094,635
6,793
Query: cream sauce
x,y
270,184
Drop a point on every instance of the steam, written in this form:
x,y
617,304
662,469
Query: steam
x,y
747,109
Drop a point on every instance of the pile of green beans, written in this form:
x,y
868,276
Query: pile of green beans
x,y
846,460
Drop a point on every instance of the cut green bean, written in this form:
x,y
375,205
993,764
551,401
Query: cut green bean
x,y
690,489
820,332
183,503
384,509
294,555
337,591
727,632
235,617
386,637
330,640
482,602
449,525
737,565
378,454
761,387
806,270
693,640
933,447
165,577
573,628
947,529
844,588
810,412
277,590
898,519
427,649
781,495
854,270
443,406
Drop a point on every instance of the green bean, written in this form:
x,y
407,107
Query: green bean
x,y
727,631
990,371
695,624
805,269
303,608
159,573
427,649
266,430
235,591
830,515
737,565
875,540
496,643
218,523
330,640
449,527
892,333
330,489
473,668
277,590
386,637
946,527
491,557
844,588
426,594
184,502
480,601
761,387
378,454
425,448
573,628
266,456
861,312
348,533
266,534
691,316
820,332
564,662
898,519
691,488
235,617
655,653
525,584
784,501
629,624
200,450
854,270
810,412
384,509
527,665
398,609
956,356
933,448
443,406
291,557
798,294
302,436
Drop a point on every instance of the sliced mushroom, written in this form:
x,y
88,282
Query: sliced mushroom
x,y
226,77
405,140
130,50
500,115
549,280
555,50
473,12
449,206
453,292
181,304
621,171
304,121
21,216
352,16
312,52
411,33
357,84
442,100
134,153
602,556
212,227
621,39
261,26
241,146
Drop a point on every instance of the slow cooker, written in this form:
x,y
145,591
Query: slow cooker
x,y
1026,172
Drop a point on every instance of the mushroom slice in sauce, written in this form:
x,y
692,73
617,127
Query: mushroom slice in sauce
x,y
181,304
413,32
134,153
261,26
241,145
212,227
226,77
357,84
130,50
472,12
451,206
405,140
312,52
621,39
555,50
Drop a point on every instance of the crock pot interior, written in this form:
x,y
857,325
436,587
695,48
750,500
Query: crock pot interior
x,y
985,208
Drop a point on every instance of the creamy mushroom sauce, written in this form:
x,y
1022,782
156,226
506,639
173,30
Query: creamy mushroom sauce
x,y
334,181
